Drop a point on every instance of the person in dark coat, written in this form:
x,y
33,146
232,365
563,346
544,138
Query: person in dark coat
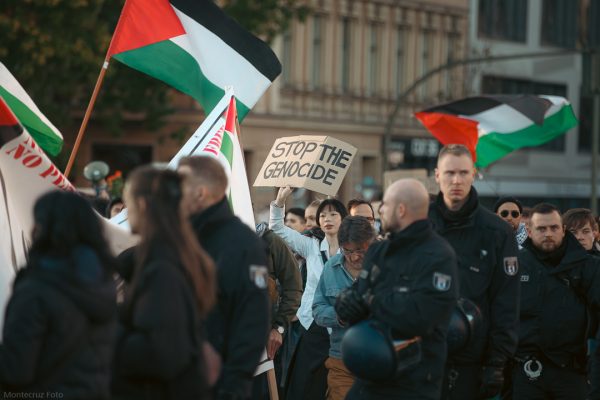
x,y
411,288
486,251
158,354
238,327
61,317
560,285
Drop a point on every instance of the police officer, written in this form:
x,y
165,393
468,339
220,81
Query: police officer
x,y
239,326
486,251
559,282
411,280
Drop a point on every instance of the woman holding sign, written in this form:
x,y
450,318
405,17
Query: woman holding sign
x,y
308,375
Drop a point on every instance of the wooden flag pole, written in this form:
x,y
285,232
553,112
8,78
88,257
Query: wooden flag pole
x,y
86,117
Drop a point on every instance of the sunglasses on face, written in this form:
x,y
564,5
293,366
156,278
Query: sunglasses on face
x,y
513,213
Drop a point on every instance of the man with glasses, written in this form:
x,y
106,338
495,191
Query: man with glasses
x,y
511,210
340,272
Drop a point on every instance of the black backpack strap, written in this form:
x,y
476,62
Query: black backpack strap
x,y
324,256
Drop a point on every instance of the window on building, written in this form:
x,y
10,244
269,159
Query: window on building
x,y
345,54
452,53
586,119
400,60
559,23
503,19
426,59
501,85
286,62
373,61
593,24
317,51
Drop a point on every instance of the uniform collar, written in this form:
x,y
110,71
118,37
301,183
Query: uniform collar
x,y
215,214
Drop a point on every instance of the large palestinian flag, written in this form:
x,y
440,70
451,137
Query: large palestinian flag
x,y
194,47
493,126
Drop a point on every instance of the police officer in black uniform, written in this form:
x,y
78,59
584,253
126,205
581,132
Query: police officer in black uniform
x,y
239,325
486,251
410,288
560,283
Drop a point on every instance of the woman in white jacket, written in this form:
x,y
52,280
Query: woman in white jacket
x,y
308,375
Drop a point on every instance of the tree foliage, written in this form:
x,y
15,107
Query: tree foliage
x,y
55,49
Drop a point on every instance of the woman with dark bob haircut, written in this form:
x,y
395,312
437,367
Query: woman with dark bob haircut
x,y
308,375
61,318
159,347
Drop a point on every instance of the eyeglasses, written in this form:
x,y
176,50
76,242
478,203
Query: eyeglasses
x,y
513,213
352,252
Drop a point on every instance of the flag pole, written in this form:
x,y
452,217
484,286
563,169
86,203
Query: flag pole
x,y
86,117
99,81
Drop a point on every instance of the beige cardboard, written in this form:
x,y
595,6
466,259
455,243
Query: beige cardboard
x,y
317,163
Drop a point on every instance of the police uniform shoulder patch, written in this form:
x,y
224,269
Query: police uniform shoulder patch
x,y
441,281
511,266
259,275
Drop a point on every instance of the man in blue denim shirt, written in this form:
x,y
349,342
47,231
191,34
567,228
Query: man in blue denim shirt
x,y
355,236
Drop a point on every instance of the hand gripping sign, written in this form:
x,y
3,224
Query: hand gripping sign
x,y
317,163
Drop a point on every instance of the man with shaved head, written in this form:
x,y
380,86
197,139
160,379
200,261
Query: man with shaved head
x,y
486,250
408,287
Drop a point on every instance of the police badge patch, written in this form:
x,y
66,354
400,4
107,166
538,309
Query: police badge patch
x,y
259,275
511,266
441,281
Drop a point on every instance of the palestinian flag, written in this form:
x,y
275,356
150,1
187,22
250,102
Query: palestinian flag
x,y
39,127
9,125
194,47
493,126
225,145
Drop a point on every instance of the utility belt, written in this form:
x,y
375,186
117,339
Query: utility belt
x,y
533,365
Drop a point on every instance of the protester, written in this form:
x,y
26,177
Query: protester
x,y
410,289
159,347
285,292
114,207
294,218
239,326
486,251
310,215
581,223
510,210
340,272
559,280
308,375
60,320
361,208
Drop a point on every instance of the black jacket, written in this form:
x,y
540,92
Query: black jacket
x,y
412,278
486,251
238,327
554,304
59,328
157,354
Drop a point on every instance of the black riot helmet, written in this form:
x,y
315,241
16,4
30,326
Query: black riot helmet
x,y
370,353
465,320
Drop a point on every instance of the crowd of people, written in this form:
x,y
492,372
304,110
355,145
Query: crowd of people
x,y
430,297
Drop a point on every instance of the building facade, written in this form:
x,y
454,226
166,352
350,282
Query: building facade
x,y
343,68
558,171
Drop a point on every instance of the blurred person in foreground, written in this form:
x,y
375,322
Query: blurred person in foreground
x,y
60,321
159,351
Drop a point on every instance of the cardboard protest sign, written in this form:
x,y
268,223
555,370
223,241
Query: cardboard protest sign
x,y
317,163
